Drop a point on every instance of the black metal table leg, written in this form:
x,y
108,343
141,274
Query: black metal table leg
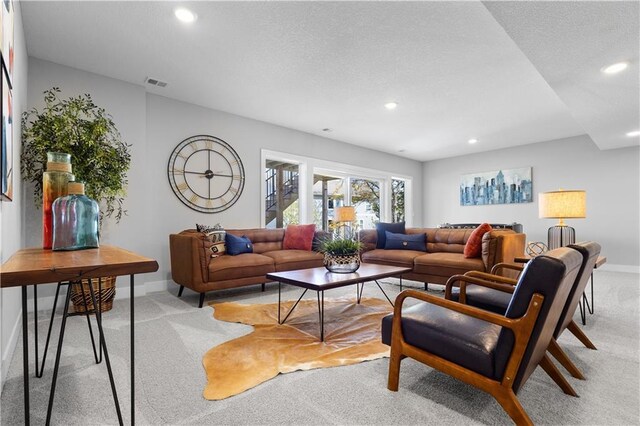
x,y
106,355
133,352
25,355
88,315
383,292
35,324
58,353
322,317
40,373
293,307
279,285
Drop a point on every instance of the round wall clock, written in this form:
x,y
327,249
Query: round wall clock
x,y
206,174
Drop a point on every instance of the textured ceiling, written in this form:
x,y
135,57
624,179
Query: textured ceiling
x,y
451,66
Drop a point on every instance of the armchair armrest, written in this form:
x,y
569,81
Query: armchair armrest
x,y
503,265
491,277
463,279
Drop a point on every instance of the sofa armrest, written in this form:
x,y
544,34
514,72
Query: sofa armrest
x,y
369,239
189,260
502,246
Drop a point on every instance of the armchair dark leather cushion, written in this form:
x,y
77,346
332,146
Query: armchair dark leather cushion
x,y
484,298
462,339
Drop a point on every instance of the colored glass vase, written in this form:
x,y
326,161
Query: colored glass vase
x,y
75,220
54,185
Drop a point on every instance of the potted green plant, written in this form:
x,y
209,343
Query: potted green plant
x,y
99,156
341,255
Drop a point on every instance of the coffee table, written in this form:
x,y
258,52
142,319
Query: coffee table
x,y
320,279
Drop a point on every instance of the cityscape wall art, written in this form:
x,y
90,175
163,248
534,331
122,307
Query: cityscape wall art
x,y
507,186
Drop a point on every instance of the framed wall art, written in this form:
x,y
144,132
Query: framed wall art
x,y
6,159
6,37
506,186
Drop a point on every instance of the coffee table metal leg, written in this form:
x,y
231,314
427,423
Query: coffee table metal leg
x,y
322,317
40,372
383,292
294,306
279,285
58,353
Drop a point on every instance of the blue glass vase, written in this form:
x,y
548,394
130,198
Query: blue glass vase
x,y
75,220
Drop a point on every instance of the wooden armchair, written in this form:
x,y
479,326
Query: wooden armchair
x,y
495,353
497,299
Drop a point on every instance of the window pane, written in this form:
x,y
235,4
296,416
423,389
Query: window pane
x,y
397,200
328,193
282,193
365,197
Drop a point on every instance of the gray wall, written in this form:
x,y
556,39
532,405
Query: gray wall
x,y
611,179
154,125
11,212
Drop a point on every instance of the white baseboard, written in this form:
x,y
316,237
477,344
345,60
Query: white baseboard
x,y
633,269
8,353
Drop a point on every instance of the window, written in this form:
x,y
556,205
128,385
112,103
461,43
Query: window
x,y
397,200
282,206
300,189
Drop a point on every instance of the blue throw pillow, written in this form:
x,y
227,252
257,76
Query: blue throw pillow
x,y
237,245
382,227
405,241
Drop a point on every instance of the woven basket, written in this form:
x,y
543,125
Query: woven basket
x,y
104,297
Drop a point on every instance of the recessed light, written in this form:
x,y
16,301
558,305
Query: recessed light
x,y
615,68
634,133
391,105
402,150
326,129
185,15
473,140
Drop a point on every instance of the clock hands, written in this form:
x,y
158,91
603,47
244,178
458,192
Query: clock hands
x,y
208,174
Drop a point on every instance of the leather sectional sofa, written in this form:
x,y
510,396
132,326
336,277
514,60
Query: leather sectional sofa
x,y
193,267
444,253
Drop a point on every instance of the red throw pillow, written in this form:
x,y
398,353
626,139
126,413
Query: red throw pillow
x,y
473,248
299,237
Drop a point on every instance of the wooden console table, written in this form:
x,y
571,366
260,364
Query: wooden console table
x,y
35,266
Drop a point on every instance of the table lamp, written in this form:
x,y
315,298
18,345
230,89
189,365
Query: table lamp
x,y
562,204
344,215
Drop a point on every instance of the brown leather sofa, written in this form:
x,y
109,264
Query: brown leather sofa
x,y
444,253
193,267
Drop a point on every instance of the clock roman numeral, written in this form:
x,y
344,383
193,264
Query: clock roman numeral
x,y
182,156
194,146
194,199
182,186
209,204
177,172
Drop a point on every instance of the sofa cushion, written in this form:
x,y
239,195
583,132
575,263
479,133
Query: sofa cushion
x,y
405,242
391,257
382,227
287,260
446,264
237,245
462,339
473,247
299,237
241,266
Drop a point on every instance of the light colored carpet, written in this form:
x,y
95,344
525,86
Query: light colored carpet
x,y
172,335
351,335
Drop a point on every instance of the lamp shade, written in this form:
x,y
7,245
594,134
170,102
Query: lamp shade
x,y
563,204
345,214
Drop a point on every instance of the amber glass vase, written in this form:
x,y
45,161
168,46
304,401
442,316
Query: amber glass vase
x,y
54,185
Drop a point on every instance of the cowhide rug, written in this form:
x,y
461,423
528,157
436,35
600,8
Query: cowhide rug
x,y
352,335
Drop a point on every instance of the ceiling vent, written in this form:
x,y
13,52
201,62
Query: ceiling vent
x,y
155,82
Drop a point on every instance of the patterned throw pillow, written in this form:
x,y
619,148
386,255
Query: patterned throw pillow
x,y
382,227
218,249
205,229
299,237
473,248
405,241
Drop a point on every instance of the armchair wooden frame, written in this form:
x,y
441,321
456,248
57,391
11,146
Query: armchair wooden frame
x,y
502,390
507,285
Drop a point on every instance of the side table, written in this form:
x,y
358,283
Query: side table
x,y
34,266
